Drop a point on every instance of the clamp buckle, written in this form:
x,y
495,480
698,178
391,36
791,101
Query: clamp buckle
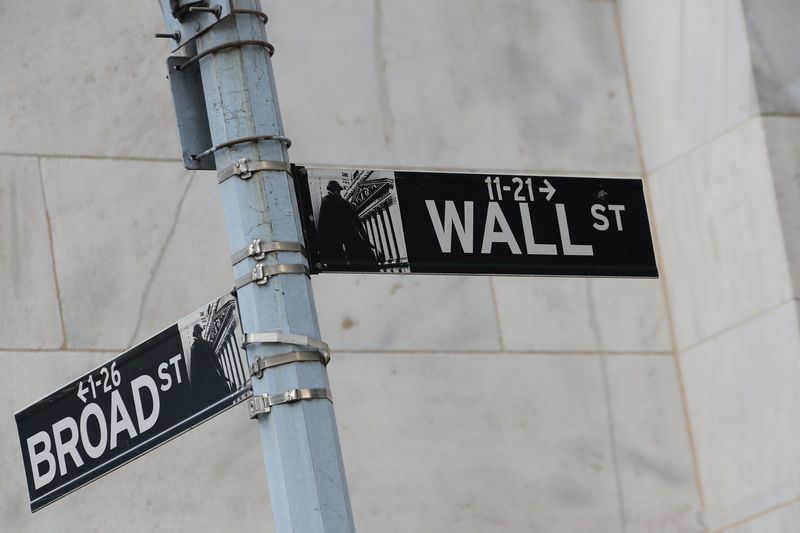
x,y
244,169
262,404
255,250
319,351
261,273
258,250
240,169
263,363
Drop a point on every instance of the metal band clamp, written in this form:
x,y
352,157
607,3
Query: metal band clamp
x,y
263,403
260,14
241,140
233,44
259,249
261,273
279,337
244,169
263,363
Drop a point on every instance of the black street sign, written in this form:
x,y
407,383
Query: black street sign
x,y
360,220
150,394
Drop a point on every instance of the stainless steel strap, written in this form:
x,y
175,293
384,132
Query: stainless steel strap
x,y
261,273
249,139
244,169
263,363
279,337
259,249
263,403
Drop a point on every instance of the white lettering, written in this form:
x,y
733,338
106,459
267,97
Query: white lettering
x,y
563,228
93,409
163,374
44,456
145,422
597,212
120,419
527,228
70,447
444,229
174,362
490,236
617,210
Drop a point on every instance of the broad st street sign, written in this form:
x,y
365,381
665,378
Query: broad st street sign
x,y
119,411
360,220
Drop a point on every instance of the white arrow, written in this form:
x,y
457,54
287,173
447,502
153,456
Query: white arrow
x,y
549,189
82,391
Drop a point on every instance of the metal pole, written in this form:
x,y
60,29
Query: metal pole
x,y
301,446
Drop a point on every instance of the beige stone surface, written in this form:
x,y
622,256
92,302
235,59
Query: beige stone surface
x,y
137,245
85,78
395,312
783,140
582,314
29,314
773,37
469,85
411,80
652,449
522,443
744,407
691,72
722,247
783,520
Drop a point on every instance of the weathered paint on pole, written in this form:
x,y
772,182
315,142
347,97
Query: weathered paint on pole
x,y
301,446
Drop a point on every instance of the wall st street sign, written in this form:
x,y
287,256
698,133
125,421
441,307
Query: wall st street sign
x,y
361,220
142,398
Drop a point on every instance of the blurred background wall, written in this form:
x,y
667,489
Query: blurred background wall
x,y
466,404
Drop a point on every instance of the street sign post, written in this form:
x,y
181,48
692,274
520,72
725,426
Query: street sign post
x,y
153,392
362,220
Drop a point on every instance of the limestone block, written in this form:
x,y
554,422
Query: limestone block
x,y
406,312
783,520
722,246
783,140
138,245
476,443
772,32
93,83
691,72
652,450
506,85
744,407
558,314
29,316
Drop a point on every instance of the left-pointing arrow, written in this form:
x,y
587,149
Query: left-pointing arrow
x,y
82,391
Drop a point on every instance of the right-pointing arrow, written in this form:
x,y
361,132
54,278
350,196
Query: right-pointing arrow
x,y
549,189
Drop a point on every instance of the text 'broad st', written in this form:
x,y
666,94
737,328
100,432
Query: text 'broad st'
x,y
175,380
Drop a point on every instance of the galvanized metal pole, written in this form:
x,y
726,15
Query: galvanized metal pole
x,y
301,446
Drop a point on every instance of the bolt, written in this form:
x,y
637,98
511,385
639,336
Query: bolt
x,y
216,10
175,36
